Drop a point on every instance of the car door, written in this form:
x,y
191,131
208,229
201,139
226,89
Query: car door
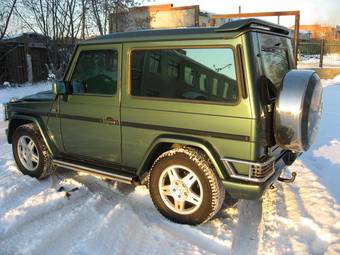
x,y
90,114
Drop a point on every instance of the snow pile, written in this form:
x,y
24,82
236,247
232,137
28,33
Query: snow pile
x,y
98,218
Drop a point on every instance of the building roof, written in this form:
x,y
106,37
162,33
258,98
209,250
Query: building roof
x,y
232,29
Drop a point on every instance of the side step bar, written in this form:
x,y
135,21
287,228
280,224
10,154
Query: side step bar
x,y
79,167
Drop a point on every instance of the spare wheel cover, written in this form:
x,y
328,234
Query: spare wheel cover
x,y
298,110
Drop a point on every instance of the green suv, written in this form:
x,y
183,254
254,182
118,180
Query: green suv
x,y
194,113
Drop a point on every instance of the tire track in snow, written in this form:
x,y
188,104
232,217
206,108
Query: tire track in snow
x,y
33,209
246,233
38,237
294,220
15,191
142,205
140,208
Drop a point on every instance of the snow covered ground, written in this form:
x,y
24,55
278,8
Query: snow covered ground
x,y
98,218
312,61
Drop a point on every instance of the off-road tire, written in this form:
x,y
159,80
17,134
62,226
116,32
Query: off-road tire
x,y
199,163
45,166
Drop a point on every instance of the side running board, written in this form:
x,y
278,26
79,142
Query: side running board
x,y
102,172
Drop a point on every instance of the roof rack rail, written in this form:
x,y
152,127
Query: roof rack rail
x,y
252,23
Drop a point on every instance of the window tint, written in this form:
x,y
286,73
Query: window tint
x,y
96,72
193,74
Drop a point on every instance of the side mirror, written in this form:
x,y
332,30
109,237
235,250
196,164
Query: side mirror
x,y
58,88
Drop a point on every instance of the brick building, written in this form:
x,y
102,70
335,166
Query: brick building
x,y
321,32
157,17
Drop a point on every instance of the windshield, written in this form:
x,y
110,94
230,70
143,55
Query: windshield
x,y
275,57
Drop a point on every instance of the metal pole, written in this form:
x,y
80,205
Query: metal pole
x,y
322,48
296,36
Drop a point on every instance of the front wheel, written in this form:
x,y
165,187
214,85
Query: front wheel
x,y
184,186
30,152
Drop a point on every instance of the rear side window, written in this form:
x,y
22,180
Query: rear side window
x,y
206,74
96,72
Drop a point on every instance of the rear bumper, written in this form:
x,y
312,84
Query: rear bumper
x,y
250,190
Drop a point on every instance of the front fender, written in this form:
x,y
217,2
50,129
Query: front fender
x,y
187,141
18,120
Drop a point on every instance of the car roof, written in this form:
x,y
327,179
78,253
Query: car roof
x,y
229,30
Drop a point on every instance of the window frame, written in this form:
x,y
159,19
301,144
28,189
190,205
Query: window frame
x,y
203,46
93,47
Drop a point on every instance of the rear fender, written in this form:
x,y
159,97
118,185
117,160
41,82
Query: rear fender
x,y
183,141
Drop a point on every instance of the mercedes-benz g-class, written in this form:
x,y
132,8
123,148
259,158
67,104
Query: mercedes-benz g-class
x,y
195,113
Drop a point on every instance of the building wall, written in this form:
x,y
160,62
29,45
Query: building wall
x,y
322,32
156,17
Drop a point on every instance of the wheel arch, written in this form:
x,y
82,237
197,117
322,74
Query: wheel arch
x,y
19,120
167,142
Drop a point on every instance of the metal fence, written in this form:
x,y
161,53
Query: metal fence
x,y
319,53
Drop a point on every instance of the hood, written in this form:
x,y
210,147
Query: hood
x,y
40,96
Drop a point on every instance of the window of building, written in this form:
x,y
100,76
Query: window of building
x,y
204,69
154,63
203,82
214,87
173,70
189,76
225,90
96,72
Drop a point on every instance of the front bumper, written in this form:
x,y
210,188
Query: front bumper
x,y
253,190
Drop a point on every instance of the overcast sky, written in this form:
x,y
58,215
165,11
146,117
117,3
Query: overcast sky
x,y
312,11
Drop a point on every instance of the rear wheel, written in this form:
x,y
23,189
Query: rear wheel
x,y
184,186
30,152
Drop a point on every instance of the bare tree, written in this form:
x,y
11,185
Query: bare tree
x,y
64,22
61,22
102,9
6,11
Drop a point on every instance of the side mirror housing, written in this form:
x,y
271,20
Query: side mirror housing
x,y
58,88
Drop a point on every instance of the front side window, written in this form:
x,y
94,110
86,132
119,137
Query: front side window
x,y
204,70
95,72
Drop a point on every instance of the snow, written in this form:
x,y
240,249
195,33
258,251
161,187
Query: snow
x,y
105,218
312,61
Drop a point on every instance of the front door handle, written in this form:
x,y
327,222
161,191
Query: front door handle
x,y
111,121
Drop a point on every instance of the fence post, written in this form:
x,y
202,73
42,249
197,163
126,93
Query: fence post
x,y
322,47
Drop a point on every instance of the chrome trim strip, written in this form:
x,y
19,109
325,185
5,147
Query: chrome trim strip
x,y
76,167
233,173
